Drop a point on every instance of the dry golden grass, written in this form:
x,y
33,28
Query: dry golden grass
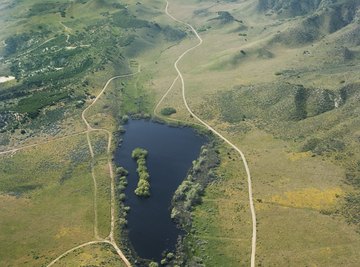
x,y
42,223
290,188
312,198
94,255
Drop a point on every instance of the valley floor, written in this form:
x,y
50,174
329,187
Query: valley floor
x,y
291,109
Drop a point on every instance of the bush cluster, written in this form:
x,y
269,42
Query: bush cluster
x,y
189,193
121,183
143,186
167,111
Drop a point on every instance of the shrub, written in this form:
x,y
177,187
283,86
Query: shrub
x,y
167,111
300,101
125,119
33,104
139,153
189,193
351,208
311,144
121,171
122,197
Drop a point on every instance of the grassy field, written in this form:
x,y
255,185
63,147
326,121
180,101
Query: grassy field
x,y
222,228
94,255
46,202
251,98
101,170
47,192
274,99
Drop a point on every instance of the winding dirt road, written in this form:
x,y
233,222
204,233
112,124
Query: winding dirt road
x,y
251,202
110,239
13,150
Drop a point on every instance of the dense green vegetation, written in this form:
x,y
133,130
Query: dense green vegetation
x,y
143,186
300,98
305,116
167,111
125,20
15,42
61,54
57,62
121,174
121,184
46,7
33,104
188,195
153,264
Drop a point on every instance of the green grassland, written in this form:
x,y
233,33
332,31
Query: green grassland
x,y
63,64
282,86
94,255
221,233
62,55
46,202
101,170
292,108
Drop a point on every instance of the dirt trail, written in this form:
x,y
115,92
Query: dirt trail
x,y
13,150
251,202
162,100
110,239
112,177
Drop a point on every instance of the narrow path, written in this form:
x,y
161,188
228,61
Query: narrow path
x,y
85,245
42,143
110,239
251,202
211,237
30,50
165,95
89,129
67,30
112,177
162,100
73,249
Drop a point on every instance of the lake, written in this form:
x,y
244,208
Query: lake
x,y
171,152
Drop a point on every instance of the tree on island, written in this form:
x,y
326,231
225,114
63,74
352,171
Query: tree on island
x,y
143,186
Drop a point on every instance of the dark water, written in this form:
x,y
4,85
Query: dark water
x,y
171,152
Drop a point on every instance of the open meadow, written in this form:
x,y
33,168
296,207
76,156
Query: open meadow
x,y
281,83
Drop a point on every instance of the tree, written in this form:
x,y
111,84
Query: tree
x,y
167,111
143,186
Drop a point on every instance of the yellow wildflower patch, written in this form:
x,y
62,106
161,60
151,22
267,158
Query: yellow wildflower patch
x,y
309,198
298,156
66,231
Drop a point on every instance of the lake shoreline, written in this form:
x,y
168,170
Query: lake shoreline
x,y
122,139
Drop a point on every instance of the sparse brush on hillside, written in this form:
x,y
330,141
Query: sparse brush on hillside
x,y
289,7
320,18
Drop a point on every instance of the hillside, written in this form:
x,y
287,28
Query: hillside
x,y
278,79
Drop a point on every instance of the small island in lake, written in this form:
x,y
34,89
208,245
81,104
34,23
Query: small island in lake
x,y
143,186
